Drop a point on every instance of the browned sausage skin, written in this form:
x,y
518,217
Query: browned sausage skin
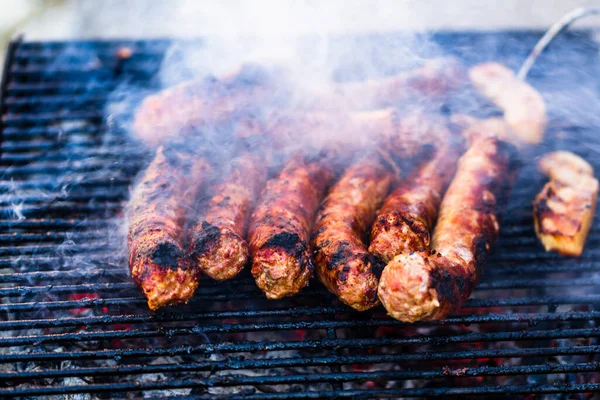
x,y
341,259
157,258
281,222
429,285
207,103
434,78
523,106
216,102
218,239
406,218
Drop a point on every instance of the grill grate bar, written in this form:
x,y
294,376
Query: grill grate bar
x,y
171,384
241,380
53,185
61,209
51,118
92,287
51,236
302,345
52,132
472,303
232,328
529,318
41,249
56,156
57,168
72,198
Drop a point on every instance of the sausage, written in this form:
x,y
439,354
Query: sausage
x,y
473,128
523,106
293,129
218,239
434,78
340,254
428,285
406,218
158,260
281,222
217,102
207,103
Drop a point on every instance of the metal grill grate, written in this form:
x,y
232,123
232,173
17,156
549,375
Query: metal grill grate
x,y
71,320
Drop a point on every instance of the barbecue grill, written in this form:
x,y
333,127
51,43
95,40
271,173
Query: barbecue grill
x,y
73,322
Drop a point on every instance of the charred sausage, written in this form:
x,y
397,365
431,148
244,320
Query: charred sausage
x,y
216,102
157,257
281,222
405,220
428,285
434,78
286,129
206,103
341,259
218,240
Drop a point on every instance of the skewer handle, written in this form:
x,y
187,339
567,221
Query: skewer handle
x,y
558,27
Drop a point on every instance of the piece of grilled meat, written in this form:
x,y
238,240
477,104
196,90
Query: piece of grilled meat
x,y
428,285
158,261
281,222
434,78
218,239
523,106
405,220
400,134
211,102
474,128
340,254
208,103
564,210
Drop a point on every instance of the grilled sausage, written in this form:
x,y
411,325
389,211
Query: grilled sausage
x,y
206,103
564,210
432,79
281,222
524,108
473,128
209,103
157,258
405,220
428,285
287,129
341,259
218,240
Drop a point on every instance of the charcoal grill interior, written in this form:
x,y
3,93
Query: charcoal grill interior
x,y
72,321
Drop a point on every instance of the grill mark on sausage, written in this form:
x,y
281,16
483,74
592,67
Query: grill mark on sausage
x,y
156,212
280,225
289,242
218,239
207,239
409,212
341,259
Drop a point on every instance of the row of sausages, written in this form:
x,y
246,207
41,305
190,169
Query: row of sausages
x,y
418,249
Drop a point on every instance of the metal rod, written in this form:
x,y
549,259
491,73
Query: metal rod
x,y
236,328
226,347
529,318
554,30
350,393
